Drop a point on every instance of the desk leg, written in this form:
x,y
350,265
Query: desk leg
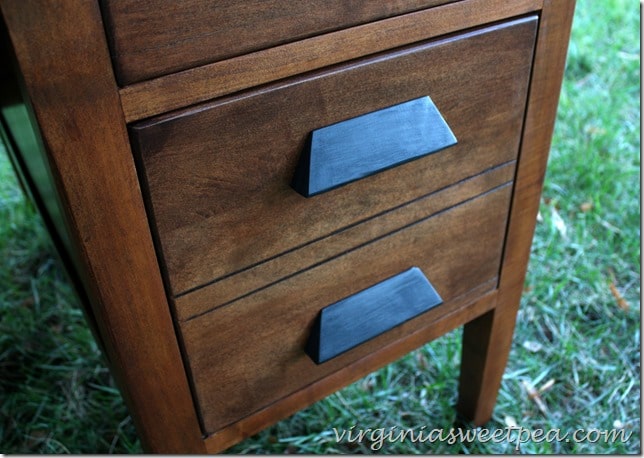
x,y
486,346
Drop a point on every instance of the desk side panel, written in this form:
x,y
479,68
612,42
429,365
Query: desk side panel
x,y
65,67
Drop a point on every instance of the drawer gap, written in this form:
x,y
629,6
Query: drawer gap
x,y
357,247
496,168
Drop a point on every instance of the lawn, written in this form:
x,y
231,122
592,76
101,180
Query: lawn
x,y
577,342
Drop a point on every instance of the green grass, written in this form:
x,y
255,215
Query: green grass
x,y
57,396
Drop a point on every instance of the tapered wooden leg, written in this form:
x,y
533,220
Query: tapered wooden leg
x,y
487,340
486,346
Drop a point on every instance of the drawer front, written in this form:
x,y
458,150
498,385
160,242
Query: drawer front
x,y
156,37
232,288
218,176
251,352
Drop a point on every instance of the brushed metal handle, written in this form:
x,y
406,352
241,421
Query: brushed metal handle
x,y
356,319
358,147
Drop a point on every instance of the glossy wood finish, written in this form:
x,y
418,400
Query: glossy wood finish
x,y
71,94
156,37
25,150
81,117
233,380
203,83
487,341
270,272
462,310
220,174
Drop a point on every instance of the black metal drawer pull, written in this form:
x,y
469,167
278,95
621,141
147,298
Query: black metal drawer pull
x,y
349,150
367,314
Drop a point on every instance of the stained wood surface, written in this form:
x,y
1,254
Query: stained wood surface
x,y
156,37
25,149
71,93
218,176
487,341
462,310
64,60
251,280
248,354
177,90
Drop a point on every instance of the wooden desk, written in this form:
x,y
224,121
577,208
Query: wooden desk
x,y
177,148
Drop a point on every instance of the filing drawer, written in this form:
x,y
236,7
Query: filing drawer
x,y
156,37
250,353
218,175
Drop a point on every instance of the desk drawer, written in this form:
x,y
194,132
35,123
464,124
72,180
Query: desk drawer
x,y
156,37
250,353
234,287
218,176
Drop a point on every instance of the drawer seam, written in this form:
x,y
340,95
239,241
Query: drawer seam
x,y
357,223
352,249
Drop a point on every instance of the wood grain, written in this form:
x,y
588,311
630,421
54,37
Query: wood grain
x,y
64,61
24,147
156,37
487,341
199,84
334,74
319,251
25,151
233,380
218,176
462,310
